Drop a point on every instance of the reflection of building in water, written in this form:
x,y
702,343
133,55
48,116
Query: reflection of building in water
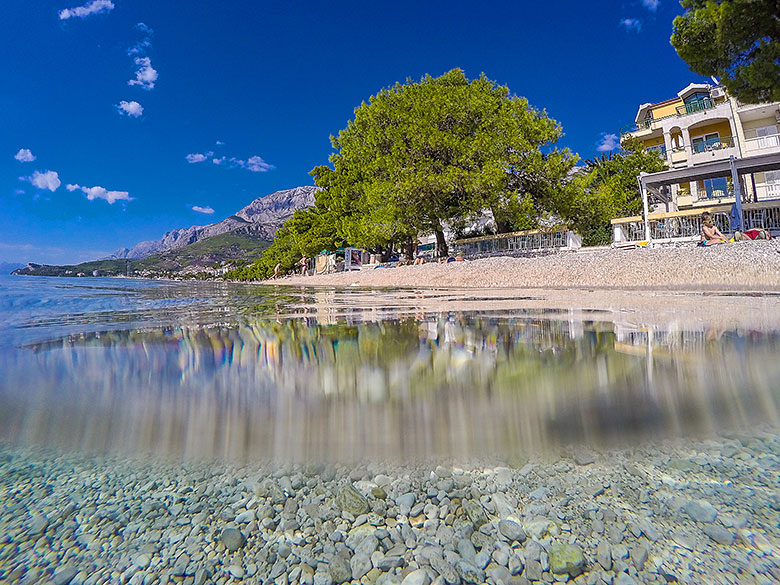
x,y
450,384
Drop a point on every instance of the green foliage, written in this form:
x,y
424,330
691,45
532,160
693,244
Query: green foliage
x,y
307,233
440,150
422,154
736,40
609,188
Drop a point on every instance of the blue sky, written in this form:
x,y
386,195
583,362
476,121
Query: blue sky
x,y
131,102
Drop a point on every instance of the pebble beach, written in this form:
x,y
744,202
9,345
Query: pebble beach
x,y
738,265
669,512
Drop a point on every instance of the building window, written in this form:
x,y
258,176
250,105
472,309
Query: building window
x,y
765,137
705,143
714,188
772,184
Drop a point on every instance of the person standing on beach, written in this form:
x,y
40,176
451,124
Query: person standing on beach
x,y
276,269
304,261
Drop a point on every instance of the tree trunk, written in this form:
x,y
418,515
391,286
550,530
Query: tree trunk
x,y
441,242
410,249
502,226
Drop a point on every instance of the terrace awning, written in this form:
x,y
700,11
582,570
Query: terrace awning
x,y
656,182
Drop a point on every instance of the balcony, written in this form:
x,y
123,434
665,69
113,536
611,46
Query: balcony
x,y
678,154
695,106
713,149
645,128
762,144
716,143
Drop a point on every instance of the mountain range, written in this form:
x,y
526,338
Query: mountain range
x,y
238,239
260,219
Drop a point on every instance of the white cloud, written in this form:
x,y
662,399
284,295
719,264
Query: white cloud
x,y
146,74
631,24
220,143
198,157
98,192
146,42
651,5
47,180
258,165
25,155
93,7
207,210
608,142
254,164
133,108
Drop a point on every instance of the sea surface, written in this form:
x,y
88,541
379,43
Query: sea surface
x,y
547,399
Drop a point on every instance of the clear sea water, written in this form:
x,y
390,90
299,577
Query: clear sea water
x,y
194,369
188,433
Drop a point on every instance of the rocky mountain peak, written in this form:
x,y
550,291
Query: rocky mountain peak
x,y
262,217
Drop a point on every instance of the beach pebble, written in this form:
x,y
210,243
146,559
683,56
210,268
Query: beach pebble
x,y
405,503
233,539
339,570
566,558
64,575
701,511
38,524
512,530
469,573
352,501
417,577
604,555
719,534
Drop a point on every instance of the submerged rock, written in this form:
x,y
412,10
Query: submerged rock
x,y
718,534
352,501
566,558
233,539
339,570
418,577
475,512
512,530
700,511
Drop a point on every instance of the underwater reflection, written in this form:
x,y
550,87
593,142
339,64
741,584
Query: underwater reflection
x,y
460,384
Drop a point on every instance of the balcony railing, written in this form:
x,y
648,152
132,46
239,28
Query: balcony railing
x,y
762,142
695,106
684,110
687,224
711,144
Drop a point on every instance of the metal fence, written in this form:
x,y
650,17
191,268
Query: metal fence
x,y
687,224
515,243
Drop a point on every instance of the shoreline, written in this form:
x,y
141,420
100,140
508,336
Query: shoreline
x,y
739,266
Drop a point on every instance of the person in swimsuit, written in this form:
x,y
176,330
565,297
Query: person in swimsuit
x,y
710,234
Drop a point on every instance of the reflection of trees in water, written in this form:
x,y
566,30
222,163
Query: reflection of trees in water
x,y
459,384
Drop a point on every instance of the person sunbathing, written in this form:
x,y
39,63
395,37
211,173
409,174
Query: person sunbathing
x,y
710,234
753,234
